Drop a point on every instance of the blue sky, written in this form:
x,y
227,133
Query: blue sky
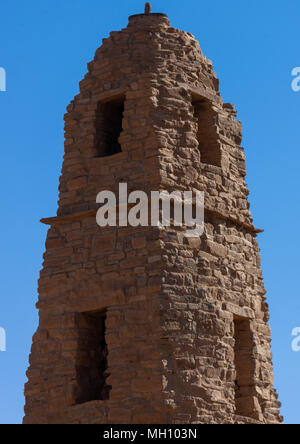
x,y
44,48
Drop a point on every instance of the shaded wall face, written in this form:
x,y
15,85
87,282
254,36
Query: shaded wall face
x,y
149,114
213,281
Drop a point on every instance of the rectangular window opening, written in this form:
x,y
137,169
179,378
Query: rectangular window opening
x,y
245,370
109,124
207,135
91,368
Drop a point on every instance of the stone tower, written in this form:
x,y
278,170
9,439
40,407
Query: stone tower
x,y
143,324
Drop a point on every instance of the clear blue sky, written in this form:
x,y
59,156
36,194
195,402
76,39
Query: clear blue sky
x,y
44,47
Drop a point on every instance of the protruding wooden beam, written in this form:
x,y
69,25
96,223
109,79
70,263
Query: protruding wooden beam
x,y
59,220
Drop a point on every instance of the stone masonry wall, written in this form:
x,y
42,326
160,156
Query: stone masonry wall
x,y
179,312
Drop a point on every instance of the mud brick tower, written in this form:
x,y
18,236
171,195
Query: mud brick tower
x,y
143,324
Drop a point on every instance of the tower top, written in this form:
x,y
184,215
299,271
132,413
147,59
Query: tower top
x,y
148,12
148,8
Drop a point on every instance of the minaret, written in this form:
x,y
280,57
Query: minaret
x,y
144,324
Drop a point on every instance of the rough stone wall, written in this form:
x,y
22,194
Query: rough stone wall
x,y
172,304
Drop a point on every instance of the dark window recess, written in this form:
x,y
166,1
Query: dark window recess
x,y
245,370
207,134
92,354
109,127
